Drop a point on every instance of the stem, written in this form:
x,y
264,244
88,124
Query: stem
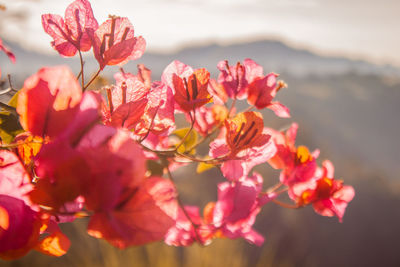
x,y
285,205
91,80
150,126
205,137
274,188
188,132
232,106
209,161
82,73
195,226
9,81
247,109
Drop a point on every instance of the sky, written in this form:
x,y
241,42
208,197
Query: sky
x,y
360,29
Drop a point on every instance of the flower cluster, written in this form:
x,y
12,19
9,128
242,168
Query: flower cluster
x,y
110,153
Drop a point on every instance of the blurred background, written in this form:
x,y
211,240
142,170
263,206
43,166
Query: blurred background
x,y
341,61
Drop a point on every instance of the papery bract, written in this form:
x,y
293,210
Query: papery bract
x,y
246,145
75,32
49,101
55,243
116,163
158,116
114,42
144,217
19,221
19,227
237,206
235,79
261,92
244,131
8,52
192,93
178,68
297,163
183,233
329,197
61,176
14,180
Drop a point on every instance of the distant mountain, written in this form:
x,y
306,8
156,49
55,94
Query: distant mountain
x,y
273,55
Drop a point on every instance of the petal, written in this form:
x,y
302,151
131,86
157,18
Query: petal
x,y
49,101
279,109
145,218
79,18
54,26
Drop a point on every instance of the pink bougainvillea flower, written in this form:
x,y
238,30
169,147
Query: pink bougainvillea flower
x,y
217,91
19,220
185,232
204,120
297,163
114,42
125,156
235,79
248,81
246,145
244,131
233,215
144,75
329,197
192,93
208,117
61,176
261,92
178,68
19,227
73,33
49,101
158,116
14,180
143,215
55,243
126,101
129,88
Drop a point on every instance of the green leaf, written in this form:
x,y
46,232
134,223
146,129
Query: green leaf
x,y
202,167
14,100
9,127
190,140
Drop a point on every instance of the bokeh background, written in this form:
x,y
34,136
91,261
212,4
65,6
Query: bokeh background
x,y
341,61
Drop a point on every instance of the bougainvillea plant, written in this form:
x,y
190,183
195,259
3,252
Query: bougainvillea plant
x,y
109,154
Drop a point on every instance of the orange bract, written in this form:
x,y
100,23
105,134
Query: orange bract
x,y
192,93
244,130
56,244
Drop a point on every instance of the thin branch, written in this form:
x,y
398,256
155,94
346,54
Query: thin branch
x,y
150,126
195,226
285,205
92,79
249,108
82,64
188,132
9,81
232,106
